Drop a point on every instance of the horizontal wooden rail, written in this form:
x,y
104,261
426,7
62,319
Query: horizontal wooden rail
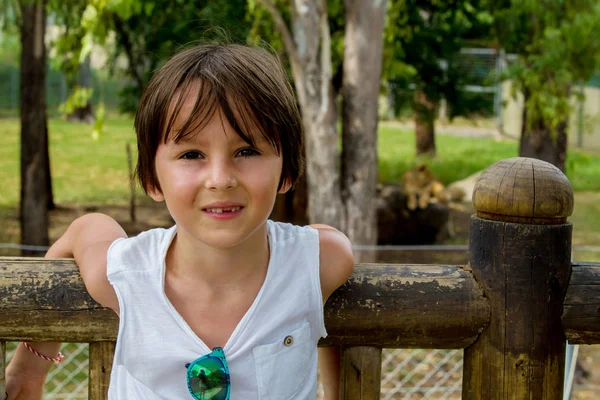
x,y
46,300
424,306
395,306
407,306
581,308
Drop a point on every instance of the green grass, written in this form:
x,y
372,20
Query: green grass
x,y
586,223
84,170
459,157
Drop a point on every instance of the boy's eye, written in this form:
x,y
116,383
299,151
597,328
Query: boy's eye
x,y
248,152
191,155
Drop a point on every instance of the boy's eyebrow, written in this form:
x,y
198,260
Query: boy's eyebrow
x,y
257,138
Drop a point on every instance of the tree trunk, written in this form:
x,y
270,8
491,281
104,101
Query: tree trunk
x,y
34,139
424,109
542,143
360,91
51,204
310,57
322,162
308,45
84,114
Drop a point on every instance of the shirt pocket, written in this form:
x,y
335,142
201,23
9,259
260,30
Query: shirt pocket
x,y
283,367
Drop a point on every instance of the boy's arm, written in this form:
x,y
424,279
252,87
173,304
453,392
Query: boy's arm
x,y
87,240
336,265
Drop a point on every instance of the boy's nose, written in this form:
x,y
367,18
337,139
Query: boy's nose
x,y
221,177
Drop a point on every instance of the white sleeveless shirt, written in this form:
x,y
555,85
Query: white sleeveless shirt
x,y
155,343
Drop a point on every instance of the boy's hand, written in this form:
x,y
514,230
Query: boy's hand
x,y
23,387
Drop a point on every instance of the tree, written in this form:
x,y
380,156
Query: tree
x,y
146,32
423,40
363,52
150,31
35,180
73,59
342,198
557,46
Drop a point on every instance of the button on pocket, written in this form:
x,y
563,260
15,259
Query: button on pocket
x,y
283,367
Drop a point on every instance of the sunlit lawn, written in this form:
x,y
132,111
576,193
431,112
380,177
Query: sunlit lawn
x,y
84,170
459,157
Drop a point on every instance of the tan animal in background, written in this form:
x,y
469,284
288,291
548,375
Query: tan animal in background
x,y
421,188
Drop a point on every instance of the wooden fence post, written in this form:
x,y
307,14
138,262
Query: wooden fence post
x,y
520,251
2,367
101,358
360,373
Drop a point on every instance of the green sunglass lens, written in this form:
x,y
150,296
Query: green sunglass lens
x,y
208,379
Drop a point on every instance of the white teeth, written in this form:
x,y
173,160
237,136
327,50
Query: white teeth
x,y
220,210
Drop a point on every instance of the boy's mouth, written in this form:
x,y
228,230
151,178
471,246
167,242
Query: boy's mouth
x,y
222,210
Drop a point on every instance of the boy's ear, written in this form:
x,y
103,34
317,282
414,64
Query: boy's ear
x,y
285,186
155,194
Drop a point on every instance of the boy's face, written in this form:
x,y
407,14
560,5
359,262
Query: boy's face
x,y
218,188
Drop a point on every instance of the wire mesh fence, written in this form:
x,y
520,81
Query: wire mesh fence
x,y
406,374
421,374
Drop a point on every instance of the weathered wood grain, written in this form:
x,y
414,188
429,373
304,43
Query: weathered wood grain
x,y
2,367
408,306
101,358
524,190
581,311
46,300
524,270
360,373
424,306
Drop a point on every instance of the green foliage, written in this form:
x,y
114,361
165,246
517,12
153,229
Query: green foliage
x,y
78,99
558,47
421,37
262,27
10,47
146,32
99,122
10,15
162,27
67,47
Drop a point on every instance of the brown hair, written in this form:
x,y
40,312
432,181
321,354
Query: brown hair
x,y
247,82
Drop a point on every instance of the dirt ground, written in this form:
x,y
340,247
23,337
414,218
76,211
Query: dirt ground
x,y
148,214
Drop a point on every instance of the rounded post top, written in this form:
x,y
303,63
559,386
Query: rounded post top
x,y
523,190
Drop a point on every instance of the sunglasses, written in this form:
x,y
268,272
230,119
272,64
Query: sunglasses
x,y
208,376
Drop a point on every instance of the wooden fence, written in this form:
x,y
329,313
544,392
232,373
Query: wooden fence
x,y
511,308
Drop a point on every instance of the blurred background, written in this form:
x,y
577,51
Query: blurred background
x,y
424,95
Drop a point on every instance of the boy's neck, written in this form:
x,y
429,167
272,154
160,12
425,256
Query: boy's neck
x,y
219,267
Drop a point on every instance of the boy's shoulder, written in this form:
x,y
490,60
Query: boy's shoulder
x,y
285,231
154,236
134,252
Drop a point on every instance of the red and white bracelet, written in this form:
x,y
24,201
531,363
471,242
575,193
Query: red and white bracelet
x,y
56,359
